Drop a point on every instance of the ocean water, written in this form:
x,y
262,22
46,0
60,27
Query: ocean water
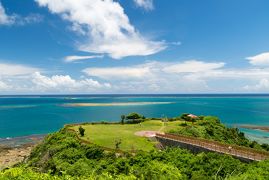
x,y
28,115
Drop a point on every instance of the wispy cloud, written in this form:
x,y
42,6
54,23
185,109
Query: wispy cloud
x,y
182,76
78,58
156,76
15,19
117,73
16,69
4,18
105,27
154,68
146,4
193,66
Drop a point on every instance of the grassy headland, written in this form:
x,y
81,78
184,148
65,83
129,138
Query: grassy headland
x,y
106,135
63,155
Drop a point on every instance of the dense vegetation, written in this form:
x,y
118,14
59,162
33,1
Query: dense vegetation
x,y
63,156
209,127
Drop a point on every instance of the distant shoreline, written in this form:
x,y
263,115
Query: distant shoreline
x,y
255,127
137,95
113,104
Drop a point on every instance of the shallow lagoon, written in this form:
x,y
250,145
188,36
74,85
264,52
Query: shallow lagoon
x,y
27,115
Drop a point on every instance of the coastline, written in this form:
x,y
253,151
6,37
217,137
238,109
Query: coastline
x,y
16,150
11,156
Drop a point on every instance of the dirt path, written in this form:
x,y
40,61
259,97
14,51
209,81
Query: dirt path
x,y
149,133
161,129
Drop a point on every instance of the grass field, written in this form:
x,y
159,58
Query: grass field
x,y
107,134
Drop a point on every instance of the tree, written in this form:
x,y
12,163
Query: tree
x,y
122,118
81,131
134,116
185,117
193,120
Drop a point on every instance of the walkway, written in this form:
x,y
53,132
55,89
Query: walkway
x,y
214,146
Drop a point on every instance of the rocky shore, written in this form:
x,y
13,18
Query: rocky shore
x,y
11,156
16,150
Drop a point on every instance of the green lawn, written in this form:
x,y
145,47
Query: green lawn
x,y
106,134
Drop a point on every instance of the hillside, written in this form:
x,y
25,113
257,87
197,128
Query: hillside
x,y
211,128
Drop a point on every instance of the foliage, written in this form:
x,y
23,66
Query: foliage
x,y
63,156
122,118
24,173
117,144
255,171
186,117
211,128
265,146
134,115
81,131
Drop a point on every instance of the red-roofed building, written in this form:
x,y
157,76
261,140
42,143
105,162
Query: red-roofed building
x,y
192,116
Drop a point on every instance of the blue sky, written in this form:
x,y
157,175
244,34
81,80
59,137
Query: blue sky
x,y
134,46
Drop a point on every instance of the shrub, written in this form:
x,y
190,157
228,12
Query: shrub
x,y
134,115
81,131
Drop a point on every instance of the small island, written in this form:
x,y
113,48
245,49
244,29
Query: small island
x,y
133,148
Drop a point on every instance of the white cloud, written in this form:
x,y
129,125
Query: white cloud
x,y
151,68
159,77
260,59
262,85
190,76
4,86
78,58
105,27
16,69
6,19
146,4
64,83
246,74
118,72
17,78
192,66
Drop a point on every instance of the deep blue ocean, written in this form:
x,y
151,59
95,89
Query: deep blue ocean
x,y
27,115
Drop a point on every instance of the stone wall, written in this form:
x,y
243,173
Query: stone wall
x,y
193,148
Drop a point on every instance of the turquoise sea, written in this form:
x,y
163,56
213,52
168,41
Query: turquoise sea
x,y
28,115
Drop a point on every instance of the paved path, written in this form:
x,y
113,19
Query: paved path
x,y
236,151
